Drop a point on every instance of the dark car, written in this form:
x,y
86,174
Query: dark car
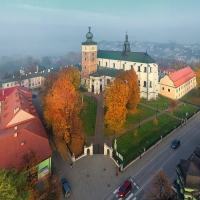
x,y
66,188
124,189
175,143
34,96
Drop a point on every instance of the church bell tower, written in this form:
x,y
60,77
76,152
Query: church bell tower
x,y
89,58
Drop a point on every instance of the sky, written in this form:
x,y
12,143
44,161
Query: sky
x,y
55,27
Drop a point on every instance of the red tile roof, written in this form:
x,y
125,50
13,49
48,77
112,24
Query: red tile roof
x,y
182,76
7,91
29,130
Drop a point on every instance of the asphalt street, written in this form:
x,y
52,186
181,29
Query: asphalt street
x,y
93,176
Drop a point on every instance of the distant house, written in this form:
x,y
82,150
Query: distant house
x,y
177,84
31,80
188,176
21,131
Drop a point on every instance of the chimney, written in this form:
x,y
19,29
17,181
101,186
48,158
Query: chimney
x,y
3,92
15,128
15,134
22,143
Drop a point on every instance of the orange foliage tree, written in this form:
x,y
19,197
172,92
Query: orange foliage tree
x,y
155,121
61,112
173,104
73,74
47,85
131,79
197,67
115,101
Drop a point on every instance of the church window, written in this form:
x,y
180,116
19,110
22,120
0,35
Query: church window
x,y
150,69
138,68
168,90
145,69
163,88
131,66
123,66
93,54
99,63
11,84
92,80
106,64
7,85
85,48
113,65
145,84
139,82
150,84
85,53
100,80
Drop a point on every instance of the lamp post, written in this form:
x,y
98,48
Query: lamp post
x,y
140,150
139,122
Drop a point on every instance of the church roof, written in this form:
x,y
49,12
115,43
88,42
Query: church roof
x,y
128,56
105,71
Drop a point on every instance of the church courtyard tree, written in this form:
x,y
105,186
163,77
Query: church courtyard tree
x,y
131,79
115,101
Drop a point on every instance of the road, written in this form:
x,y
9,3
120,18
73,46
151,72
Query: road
x,y
166,159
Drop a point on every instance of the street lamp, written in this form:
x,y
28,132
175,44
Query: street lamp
x,y
139,122
140,150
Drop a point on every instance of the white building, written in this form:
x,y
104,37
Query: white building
x,y
99,67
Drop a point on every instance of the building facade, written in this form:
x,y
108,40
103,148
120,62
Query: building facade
x,y
101,66
177,84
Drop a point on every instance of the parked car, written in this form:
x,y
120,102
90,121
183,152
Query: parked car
x,y
34,96
175,143
66,188
124,189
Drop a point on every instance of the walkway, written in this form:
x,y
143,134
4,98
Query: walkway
x,y
99,137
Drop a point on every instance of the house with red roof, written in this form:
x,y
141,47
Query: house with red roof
x,y
21,132
177,84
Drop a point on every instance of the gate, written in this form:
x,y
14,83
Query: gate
x,y
98,149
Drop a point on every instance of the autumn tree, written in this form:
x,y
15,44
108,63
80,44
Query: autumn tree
x,y
53,188
160,187
30,160
115,101
13,185
73,74
46,87
155,121
61,112
197,68
131,79
173,104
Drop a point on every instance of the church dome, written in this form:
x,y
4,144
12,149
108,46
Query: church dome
x,y
89,35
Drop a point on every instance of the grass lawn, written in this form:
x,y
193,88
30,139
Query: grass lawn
x,y
129,146
182,110
192,98
158,103
141,114
89,117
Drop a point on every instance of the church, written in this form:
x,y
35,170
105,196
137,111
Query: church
x,y
99,67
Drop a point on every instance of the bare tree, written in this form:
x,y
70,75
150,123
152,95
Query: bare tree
x,y
160,187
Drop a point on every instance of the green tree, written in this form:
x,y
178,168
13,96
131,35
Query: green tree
x,y
13,186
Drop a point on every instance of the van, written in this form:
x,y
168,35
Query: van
x,y
66,188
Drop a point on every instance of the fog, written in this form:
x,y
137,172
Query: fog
x,y
41,28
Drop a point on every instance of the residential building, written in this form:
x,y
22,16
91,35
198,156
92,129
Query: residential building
x,y
21,132
99,67
177,84
31,80
188,176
